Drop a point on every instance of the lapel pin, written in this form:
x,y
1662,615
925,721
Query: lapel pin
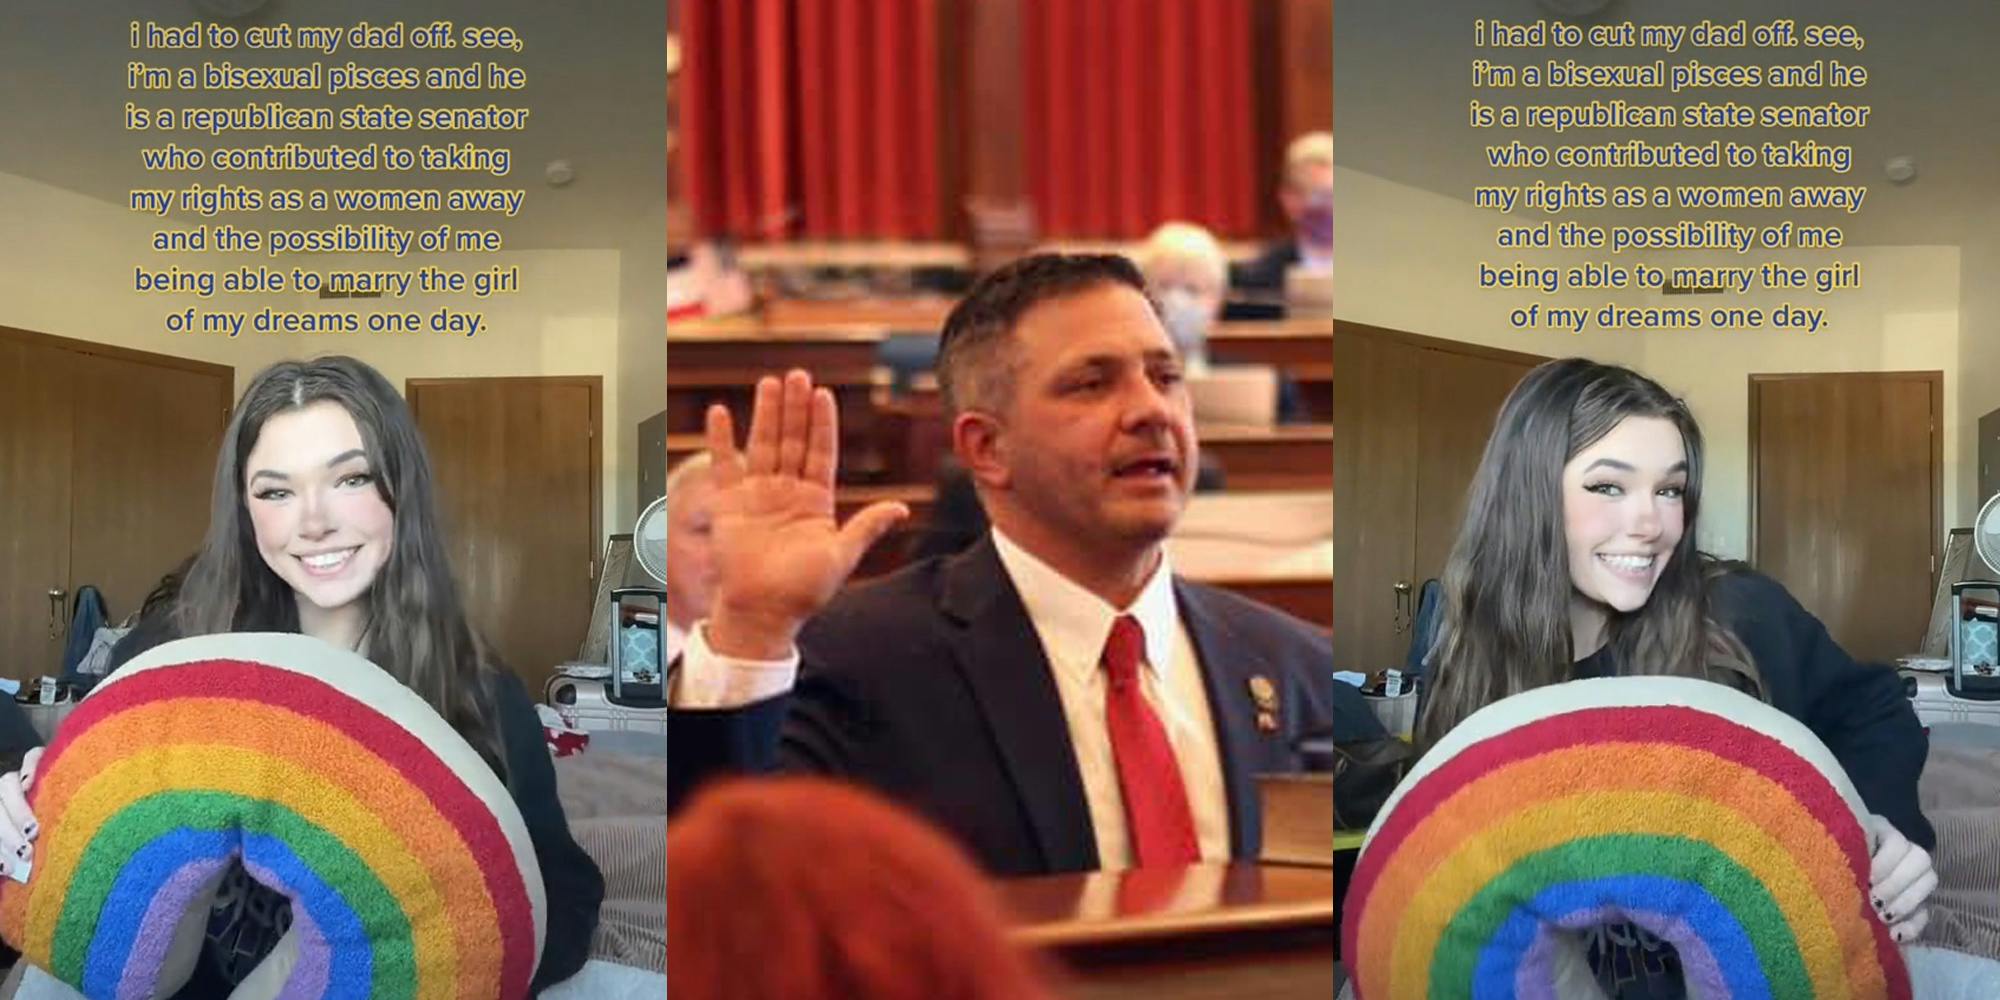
x,y
1265,694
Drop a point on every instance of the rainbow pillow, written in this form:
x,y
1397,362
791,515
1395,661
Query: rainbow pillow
x,y
1714,821
410,871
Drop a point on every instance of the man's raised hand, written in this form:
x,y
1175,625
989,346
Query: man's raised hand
x,y
779,555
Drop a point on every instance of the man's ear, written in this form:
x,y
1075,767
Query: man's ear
x,y
979,440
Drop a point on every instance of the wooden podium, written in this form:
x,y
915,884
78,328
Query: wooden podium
x,y
1237,931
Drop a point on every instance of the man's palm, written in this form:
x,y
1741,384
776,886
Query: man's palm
x,y
776,543
779,555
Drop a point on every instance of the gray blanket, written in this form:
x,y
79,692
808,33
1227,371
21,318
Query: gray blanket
x,y
1960,793
617,809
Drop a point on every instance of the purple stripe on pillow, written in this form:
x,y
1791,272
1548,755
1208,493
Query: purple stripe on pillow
x,y
156,929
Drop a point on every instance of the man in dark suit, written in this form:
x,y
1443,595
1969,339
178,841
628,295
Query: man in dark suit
x,y
1054,696
1306,192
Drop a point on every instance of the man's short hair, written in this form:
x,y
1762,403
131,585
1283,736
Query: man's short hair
x,y
974,367
1309,150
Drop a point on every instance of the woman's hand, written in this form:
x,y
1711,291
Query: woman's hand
x,y
1900,879
17,823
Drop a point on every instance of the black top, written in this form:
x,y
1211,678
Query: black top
x,y
1858,710
249,918
930,685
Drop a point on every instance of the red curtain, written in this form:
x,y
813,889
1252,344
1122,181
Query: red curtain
x,y
810,118
1139,112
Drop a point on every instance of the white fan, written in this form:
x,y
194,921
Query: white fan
x,y
649,540
1986,534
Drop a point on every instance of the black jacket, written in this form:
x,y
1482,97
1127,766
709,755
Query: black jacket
x,y
931,686
573,885
1858,710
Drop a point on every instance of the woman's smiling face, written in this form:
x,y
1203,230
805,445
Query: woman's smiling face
x,y
320,521
1622,511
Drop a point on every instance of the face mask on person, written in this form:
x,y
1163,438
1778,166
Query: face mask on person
x,y
1316,219
1186,321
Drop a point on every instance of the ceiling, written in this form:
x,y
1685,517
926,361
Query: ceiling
x,y
1403,83
596,84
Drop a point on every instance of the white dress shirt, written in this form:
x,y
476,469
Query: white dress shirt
x,y
676,639
1072,624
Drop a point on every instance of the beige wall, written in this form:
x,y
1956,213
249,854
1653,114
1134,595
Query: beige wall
x,y
76,283
1904,317
1979,346
1407,259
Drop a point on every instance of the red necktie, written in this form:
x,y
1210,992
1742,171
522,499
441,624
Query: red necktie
x,y
1156,806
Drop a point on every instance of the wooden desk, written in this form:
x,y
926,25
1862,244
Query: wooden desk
x,y
1278,457
1220,931
924,314
1301,348
719,361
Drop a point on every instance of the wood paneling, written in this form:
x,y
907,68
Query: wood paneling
x,y
1411,419
1846,500
107,459
518,478
1461,395
1375,422
142,471
1283,457
34,506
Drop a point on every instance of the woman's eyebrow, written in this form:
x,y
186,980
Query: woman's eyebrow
x,y
1680,466
345,455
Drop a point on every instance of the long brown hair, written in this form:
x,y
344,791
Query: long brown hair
x,y
416,628
1507,585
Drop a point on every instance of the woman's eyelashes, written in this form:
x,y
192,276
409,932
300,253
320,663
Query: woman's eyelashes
x,y
352,480
1605,489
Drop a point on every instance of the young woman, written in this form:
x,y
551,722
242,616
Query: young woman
x,y
1577,558
324,523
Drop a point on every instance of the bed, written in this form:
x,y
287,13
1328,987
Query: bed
x,y
617,808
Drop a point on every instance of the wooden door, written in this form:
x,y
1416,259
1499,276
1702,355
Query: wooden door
x,y
1989,457
1461,396
1846,499
34,507
142,468
518,468
1375,434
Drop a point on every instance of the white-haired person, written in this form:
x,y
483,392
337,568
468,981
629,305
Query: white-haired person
x,y
1187,273
1306,192
690,570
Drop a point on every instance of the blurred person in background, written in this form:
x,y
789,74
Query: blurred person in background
x,y
808,889
1306,193
690,572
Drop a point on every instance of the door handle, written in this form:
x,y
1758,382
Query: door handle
x,y
55,612
1403,610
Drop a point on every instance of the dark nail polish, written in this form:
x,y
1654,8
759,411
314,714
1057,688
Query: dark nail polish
x,y
31,831
21,851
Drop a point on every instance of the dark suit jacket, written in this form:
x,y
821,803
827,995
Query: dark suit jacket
x,y
930,685
1257,287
